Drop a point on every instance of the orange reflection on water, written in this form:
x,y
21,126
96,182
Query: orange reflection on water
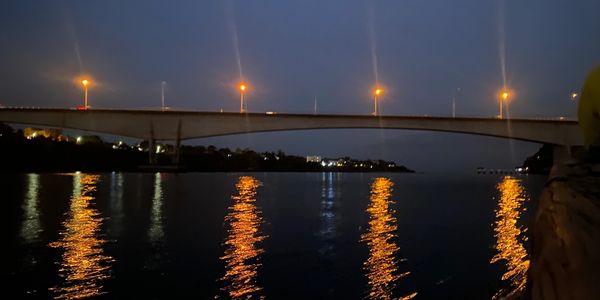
x,y
242,253
382,264
84,265
509,236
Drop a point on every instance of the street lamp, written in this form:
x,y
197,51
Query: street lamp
x,y
504,96
243,88
85,84
376,93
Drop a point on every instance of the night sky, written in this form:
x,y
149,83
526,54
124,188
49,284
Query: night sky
x,y
291,51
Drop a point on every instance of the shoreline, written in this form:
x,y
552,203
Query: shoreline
x,y
174,170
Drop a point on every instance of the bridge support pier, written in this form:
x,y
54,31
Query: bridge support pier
x,y
152,159
176,152
177,144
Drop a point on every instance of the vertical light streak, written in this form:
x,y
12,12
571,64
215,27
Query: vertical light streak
x,y
375,64
510,236
501,23
230,15
84,265
31,228
72,33
243,250
373,42
382,264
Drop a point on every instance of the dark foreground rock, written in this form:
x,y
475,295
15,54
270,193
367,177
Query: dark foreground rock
x,y
566,238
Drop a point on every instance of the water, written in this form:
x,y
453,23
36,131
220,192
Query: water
x,y
268,235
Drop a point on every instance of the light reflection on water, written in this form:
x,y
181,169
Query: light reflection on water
x,y
242,243
382,264
115,224
136,211
31,228
327,229
155,231
510,236
84,265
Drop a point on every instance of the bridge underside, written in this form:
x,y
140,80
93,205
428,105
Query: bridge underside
x,y
179,125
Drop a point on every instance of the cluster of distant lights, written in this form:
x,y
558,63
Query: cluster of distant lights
x,y
160,149
338,163
505,95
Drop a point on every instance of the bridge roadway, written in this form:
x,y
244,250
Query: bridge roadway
x,y
182,125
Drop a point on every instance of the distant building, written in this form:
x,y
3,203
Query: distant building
x,y
313,158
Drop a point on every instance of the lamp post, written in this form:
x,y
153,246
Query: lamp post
x,y
454,107
376,93
85,84
454,102
162,95
242,91
504,96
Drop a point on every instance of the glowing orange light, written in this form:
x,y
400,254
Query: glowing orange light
x,y
85,82
378,92
242,87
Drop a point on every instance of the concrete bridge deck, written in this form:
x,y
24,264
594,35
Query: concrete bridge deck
x,y
173,125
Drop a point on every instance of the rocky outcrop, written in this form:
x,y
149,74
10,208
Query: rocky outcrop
x,y
566,237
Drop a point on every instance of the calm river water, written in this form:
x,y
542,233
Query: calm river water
x,y
269,235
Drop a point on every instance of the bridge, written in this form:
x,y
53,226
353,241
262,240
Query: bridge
x,y
182,125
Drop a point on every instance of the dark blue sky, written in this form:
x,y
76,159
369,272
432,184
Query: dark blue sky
x,y
291,51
